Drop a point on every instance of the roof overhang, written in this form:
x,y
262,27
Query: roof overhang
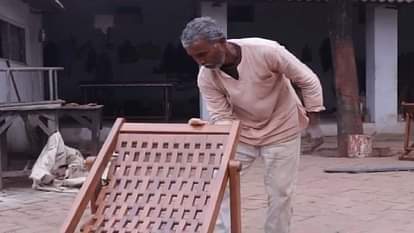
x,y
312,1
364,1
45,5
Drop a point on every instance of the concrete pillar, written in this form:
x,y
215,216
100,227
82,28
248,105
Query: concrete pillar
x,y
217,11
382,66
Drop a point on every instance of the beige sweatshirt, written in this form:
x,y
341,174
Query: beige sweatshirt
x,y
263,98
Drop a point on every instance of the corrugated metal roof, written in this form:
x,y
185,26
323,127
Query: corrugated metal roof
x,y
367,1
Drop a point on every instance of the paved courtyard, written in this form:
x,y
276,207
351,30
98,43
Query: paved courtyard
x,y
325,202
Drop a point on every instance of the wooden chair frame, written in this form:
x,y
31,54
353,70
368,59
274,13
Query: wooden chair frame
x,y
408,109
228,170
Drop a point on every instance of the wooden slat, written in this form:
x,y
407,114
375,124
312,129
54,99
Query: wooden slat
x,y
81,107
30,69
32,107
174,128
235,208
46,106
408,107
15,104
88,188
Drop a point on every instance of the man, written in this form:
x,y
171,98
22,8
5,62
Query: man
x,y
250,80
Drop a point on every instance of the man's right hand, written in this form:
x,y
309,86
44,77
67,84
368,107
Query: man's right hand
x,y
197,122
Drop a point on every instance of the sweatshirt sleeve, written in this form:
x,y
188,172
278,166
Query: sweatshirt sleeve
x,y
218,106
280,60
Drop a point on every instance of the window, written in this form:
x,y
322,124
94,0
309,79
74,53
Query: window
x,y
12,42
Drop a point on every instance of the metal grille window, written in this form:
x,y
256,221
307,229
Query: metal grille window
x,y
12,42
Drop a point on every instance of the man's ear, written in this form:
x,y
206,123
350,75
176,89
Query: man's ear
x,y
220,42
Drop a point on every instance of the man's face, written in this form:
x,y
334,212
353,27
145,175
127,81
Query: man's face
x,y
208,54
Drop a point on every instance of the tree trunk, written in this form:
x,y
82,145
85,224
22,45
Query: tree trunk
x,y
346,80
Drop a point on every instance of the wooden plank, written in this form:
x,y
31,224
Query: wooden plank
x,y
174,128
408,107
30,69
88,188
46,102
85,107
235,199
31,107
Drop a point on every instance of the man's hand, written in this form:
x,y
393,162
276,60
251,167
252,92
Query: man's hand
x,y
314,131
314,119
197,122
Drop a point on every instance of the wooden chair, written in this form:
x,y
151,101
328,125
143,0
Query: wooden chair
x,y
408,109
162,178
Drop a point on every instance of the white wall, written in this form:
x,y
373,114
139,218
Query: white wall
x,y
29,86
382,69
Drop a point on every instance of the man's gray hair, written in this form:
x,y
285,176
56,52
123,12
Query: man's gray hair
x,y
201,28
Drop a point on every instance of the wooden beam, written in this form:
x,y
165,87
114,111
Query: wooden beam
x,y
174,128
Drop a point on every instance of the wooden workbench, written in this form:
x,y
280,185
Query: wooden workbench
x,y
45,115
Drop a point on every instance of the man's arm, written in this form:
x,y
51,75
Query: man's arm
x,y
218,106
282,61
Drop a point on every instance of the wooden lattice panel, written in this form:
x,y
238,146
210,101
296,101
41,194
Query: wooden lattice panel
x,y
159,183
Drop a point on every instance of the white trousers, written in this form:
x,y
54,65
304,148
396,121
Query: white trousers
x,y
281,163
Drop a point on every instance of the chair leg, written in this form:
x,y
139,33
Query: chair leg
x,y
407,135
235,209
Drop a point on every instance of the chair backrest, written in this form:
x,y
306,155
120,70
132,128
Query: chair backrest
x,y
165,178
